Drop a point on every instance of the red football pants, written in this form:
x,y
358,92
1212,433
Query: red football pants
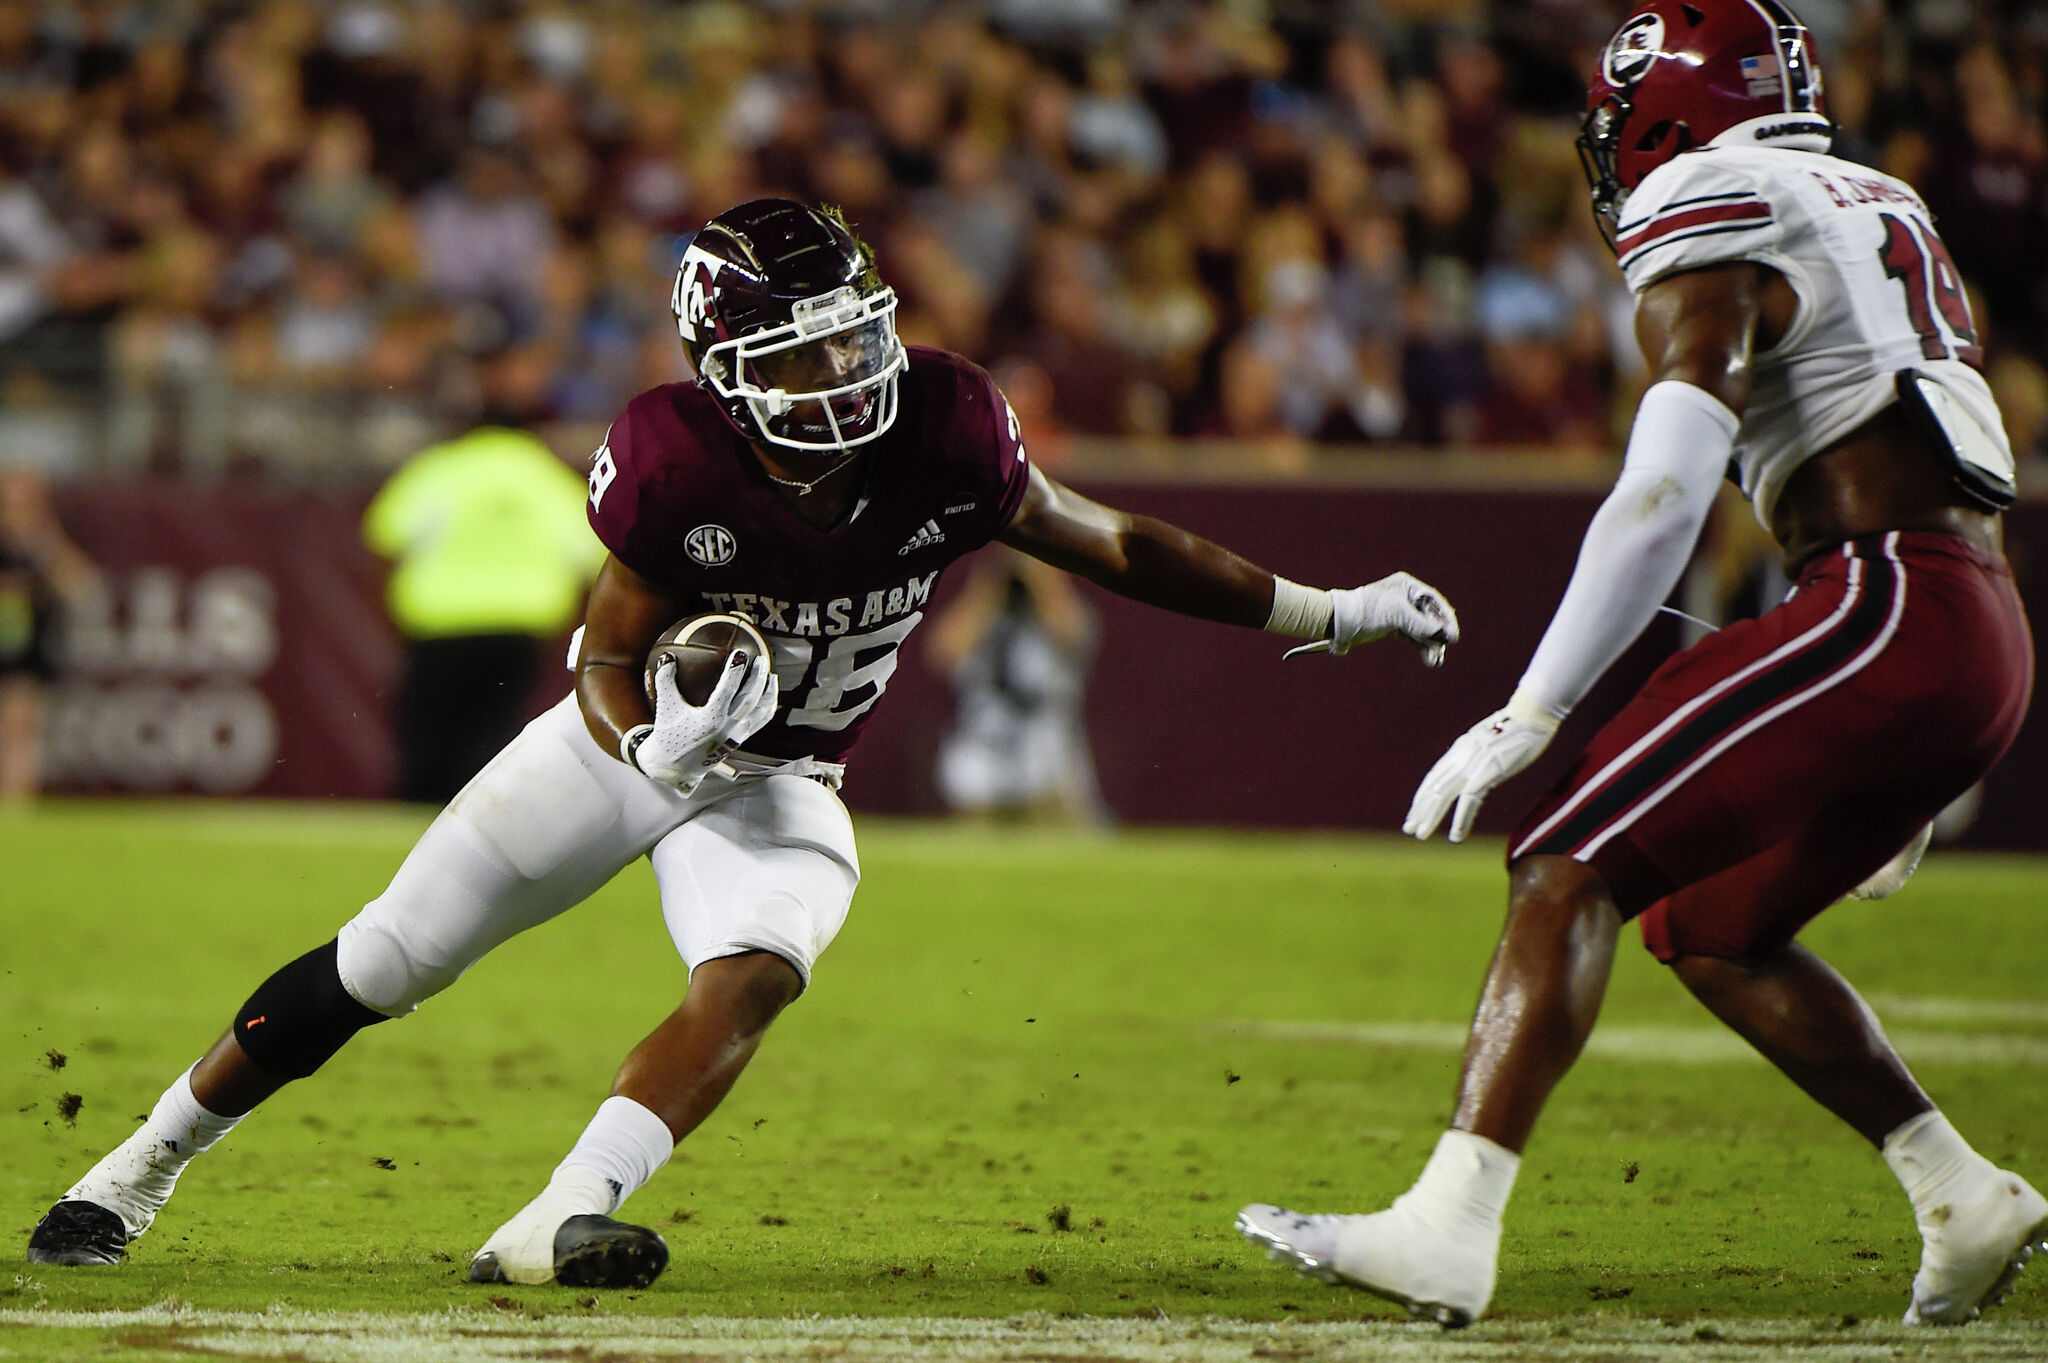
x,y
1766,771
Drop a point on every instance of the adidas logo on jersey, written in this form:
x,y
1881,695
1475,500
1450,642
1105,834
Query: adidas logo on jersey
x,y
927,535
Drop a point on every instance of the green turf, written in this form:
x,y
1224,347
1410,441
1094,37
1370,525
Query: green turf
x,y
1032,1075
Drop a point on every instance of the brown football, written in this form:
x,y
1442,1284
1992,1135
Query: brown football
x,y
703,647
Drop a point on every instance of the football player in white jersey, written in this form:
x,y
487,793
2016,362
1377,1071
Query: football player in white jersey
x,y
1805,331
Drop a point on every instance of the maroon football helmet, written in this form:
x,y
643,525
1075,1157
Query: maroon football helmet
x,y
1680,74
789,325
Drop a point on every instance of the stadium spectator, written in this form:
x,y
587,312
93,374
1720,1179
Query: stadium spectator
x,y
384,136
40,570
170,404
1111,128
485,236
1161,316
1534,395
333,198
326,327
1093,384
979,217
1988,184
32,247
1297,337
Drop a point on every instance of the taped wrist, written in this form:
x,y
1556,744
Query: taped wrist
x,y
1534,711
629,744
1299,612
301,1016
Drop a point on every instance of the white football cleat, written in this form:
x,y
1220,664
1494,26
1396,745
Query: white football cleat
x,y
556,1239
1971,1252
1394,1254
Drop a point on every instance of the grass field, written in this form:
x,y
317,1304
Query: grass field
x,y
1034,1080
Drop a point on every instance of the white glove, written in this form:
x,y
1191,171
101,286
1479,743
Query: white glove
x,y
1400,604
686,742
1485,755
1891,877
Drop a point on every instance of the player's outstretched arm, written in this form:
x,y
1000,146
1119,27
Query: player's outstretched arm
x,y
1163,565
1697,330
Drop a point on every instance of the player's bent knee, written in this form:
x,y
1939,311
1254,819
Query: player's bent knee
x,y
759,981
384,970
1555,881
299,1017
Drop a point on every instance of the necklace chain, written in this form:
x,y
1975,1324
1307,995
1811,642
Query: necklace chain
x,y
803,487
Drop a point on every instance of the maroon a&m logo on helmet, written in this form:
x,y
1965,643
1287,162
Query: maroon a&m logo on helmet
x,y
696,278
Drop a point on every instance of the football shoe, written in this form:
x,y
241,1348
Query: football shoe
x,y
585,1251
79,1234
1393,1254
1971,1253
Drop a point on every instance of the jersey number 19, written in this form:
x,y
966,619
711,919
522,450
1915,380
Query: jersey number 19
x,y
1914,256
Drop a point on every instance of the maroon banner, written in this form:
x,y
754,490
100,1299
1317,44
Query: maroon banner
x,y
240,646
242,649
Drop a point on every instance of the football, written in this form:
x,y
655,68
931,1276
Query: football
x,y
703,647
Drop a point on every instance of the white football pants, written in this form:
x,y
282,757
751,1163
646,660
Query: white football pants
x,y
761,862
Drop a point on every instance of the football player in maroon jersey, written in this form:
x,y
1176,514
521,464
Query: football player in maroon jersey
x,y
1805,330
816,479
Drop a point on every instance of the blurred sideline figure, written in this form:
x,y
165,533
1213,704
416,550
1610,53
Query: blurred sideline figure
x,y
1016,644
491,557
40,568
817,478
1803,325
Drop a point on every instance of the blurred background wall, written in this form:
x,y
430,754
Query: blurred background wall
x,y
245,651
1315,276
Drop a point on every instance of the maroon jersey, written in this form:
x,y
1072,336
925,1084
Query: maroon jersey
x,y
678,498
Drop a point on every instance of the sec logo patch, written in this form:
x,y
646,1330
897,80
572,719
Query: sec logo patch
x,y
710,545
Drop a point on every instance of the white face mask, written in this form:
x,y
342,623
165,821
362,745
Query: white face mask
x,y
826,380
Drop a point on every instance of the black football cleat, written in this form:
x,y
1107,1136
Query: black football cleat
x,y
79,1234
592,1251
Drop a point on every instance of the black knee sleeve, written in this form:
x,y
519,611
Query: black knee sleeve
x,y
300,1016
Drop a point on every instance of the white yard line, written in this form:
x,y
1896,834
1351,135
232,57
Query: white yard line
x,y
1688,1045
472,1336
2006,1011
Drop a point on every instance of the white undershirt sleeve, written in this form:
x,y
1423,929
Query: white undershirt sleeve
x,y
1638,544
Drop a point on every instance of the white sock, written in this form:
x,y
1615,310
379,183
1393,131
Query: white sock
x,y
1933,1162
624,1144
137,1177
1466,1182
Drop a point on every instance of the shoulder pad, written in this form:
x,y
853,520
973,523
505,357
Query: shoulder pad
x,y
1701,208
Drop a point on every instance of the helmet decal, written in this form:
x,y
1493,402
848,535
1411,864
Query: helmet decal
x,y
1679,75
1763,75
1634,46
696,277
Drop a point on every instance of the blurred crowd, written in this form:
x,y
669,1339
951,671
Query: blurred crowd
x,y
321,235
